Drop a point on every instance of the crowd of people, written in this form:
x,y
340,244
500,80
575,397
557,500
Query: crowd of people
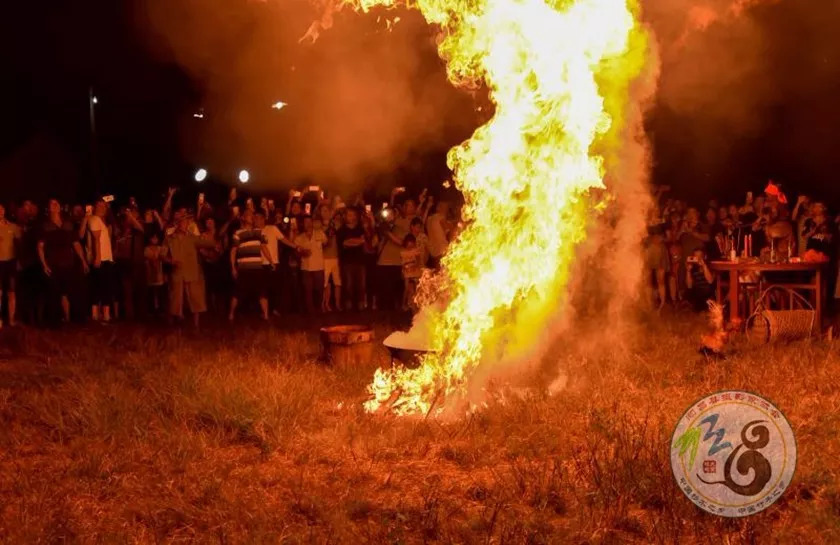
x,y
682,240
311,254
104,261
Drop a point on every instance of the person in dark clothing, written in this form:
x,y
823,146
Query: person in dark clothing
x,y
351,252
818,231
717,235
129,246
699,280
61,258
32,282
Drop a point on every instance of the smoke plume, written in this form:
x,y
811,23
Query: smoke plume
x,y
363,99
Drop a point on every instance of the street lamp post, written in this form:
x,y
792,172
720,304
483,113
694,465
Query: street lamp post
x,y
94,152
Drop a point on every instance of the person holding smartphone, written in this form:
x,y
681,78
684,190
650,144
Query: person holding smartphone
x,y
332,270
102,268
310,245
699,280
390,263
274,239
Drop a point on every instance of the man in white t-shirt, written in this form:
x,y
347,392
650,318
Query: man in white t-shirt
x,y
311,244
102,272
273,238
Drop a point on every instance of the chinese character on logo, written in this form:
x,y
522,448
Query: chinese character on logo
x,y
709,466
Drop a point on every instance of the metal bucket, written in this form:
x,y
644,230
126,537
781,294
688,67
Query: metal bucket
x,y
347,345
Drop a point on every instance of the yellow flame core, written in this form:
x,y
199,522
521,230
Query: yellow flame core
x,y
558,73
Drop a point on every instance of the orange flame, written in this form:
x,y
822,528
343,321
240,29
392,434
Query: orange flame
x,y
558,73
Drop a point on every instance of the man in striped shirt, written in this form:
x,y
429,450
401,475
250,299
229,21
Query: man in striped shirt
x,y
246,260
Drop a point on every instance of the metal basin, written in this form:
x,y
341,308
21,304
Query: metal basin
x,y
408,357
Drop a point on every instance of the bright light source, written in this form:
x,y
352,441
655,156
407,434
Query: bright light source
x,y
244,176
200,175
95,100
198,115
279,105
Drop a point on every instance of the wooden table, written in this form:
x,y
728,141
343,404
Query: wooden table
x,y
734,268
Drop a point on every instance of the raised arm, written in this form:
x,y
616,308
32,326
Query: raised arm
x,y
83,227
134,223
706,272
167,205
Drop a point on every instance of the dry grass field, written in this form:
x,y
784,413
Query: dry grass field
x,y
127,435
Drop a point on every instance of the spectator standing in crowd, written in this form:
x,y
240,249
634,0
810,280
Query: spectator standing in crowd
x,y
215,268
155,278
130,262
390,263
421,240
181,250
779,232
657,263
31,279
673,230
274,237
411,271
10,236
371,253
757,218
818,231
246,258
716,232
801,214
311,248
103,273
58,251
438,229
351,238
332,271
694,236
292,285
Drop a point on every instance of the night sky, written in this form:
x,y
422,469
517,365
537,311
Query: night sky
x,y
740,101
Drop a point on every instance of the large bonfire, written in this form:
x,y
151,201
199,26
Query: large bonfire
x,y
558,73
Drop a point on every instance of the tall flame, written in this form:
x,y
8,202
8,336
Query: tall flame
x,y
558,73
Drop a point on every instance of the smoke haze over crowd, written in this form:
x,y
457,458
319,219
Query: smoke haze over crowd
x,y
744,95
362,100
369,93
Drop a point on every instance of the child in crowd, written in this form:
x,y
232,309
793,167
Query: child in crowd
x,y
411,270
155,279
421,240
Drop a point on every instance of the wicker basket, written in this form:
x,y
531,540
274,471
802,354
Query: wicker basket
x,y
765,325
